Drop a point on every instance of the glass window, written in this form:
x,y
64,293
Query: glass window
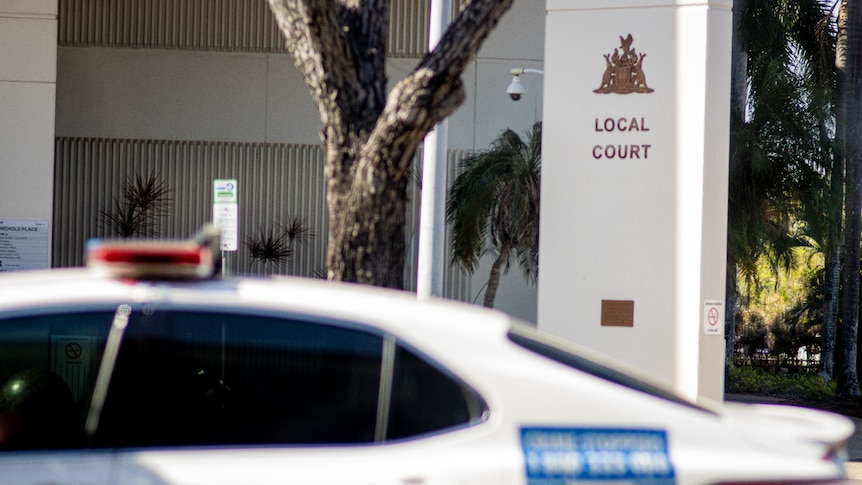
x,y
426,400
48,366
189,378
197,378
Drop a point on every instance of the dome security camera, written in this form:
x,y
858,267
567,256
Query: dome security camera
x,y
516,89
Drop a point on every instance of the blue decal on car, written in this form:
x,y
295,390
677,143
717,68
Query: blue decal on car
x,y
556,456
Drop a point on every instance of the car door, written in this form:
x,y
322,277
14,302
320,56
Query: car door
x,y
48,362
230,397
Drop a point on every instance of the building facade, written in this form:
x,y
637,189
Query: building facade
x,y
195,90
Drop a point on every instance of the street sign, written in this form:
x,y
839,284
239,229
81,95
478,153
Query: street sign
x,y
23,245
225,190
225,212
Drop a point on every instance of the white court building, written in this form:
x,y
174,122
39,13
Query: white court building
x,y
96,91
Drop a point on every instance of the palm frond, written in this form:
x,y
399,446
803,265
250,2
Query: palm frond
x,y
493,203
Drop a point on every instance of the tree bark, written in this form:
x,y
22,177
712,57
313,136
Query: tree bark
x,y
369,138
494,276
833,248
739,66
730,314
738,103
830,314
847,381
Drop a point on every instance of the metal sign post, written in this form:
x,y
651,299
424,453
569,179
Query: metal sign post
x,y
225,216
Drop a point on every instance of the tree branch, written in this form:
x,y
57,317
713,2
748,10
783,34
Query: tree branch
x,y
434,90
339,47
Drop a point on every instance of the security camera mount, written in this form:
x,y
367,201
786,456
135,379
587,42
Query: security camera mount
x,y
516,89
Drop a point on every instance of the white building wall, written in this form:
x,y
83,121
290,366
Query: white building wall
x,y
255,97
28,53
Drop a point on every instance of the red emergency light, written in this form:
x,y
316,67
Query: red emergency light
x,y
142,259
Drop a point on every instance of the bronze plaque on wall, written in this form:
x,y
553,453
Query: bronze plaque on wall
x,y
618,313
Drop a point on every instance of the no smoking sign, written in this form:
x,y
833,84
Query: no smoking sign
x,y
713,317
73,350
71,359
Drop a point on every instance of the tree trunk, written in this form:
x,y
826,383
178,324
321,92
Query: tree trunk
x,y
847,381
339,47
730,313
364,249
738,103
494,276
830,314
833,246
739,66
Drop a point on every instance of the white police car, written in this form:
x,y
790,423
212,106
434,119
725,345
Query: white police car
x,y
145,370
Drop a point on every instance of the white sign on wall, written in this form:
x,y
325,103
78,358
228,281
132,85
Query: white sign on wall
x,y
713,317
23,245
225,212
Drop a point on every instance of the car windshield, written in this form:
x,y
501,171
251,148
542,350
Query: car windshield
x,y
559,351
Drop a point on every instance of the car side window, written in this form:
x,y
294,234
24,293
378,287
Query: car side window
x,y
425,399
190,378
48,366
200,378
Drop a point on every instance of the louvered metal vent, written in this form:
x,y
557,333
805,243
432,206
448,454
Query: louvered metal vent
x,y
276,182
213,25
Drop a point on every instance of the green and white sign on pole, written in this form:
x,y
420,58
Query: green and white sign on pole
x,y
225,202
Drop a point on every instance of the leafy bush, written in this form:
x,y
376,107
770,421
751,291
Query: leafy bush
x,y
799,386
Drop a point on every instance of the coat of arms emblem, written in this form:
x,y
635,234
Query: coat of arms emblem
x,y
624,72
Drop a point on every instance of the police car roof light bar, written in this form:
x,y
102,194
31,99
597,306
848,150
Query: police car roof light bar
x,y
143,259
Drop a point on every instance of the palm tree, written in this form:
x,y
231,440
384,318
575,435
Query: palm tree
x,y
847,379
835,211
823,200
780,148
493,206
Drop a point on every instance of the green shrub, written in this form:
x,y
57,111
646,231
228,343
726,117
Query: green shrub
x,y
801,386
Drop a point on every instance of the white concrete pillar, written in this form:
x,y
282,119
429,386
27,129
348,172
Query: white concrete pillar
x,y
28,79
634,183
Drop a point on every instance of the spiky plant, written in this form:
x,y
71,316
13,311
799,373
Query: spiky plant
x,y
269,247
143,202
273,246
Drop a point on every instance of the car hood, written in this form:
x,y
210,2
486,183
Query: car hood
x,y
791,429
